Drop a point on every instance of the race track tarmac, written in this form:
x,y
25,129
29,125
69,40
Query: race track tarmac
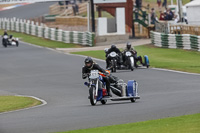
x,y
56,78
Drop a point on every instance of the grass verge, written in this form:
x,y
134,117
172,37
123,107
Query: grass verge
x,y
40,41
182,124
10,103
175,59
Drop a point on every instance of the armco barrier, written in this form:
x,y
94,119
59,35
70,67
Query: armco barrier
x,y
184,41
28,27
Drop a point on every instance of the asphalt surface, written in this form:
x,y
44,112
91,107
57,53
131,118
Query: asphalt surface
x,y
56,78
27,11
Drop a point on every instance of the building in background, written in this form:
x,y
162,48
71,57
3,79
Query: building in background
x,y
193,12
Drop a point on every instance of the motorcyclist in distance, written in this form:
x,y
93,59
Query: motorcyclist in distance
x,y
5,32
134,52
113,49
91,65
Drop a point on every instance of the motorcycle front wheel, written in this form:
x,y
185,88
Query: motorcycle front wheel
x,y
114,65
131,63
4,43
93,97
17,44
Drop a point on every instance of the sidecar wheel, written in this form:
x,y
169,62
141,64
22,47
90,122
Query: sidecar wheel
x,y
133,100
103,101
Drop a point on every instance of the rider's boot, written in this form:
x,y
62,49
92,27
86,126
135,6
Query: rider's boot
x,y
109,94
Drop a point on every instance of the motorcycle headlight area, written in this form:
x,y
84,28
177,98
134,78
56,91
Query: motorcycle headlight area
x,y
5,37
113,54
128,54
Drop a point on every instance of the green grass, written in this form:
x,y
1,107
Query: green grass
x,y
182,124
40,41
10,103
175,59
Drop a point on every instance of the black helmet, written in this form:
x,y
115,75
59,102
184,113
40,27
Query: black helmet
x,y
128,45
113,46
89,62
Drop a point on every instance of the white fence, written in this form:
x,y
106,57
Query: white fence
x,y
31,28
183,41
24,1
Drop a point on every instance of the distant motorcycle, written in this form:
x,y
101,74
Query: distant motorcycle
x,y
97,89
5,41
129,60
113,57
10,41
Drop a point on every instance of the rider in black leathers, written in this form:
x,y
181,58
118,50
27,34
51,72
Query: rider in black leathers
x,y
90,65
113,49
5,33
134,52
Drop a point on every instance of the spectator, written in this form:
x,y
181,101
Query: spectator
x,y
162,16
159,3
153,16
138,3
77,8
164,3
74,9
170,14
166,16
176,18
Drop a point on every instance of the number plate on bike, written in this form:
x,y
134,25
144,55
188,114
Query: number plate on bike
x,y
94,74
128,54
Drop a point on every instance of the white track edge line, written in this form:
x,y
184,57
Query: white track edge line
x,y
160,69
175,71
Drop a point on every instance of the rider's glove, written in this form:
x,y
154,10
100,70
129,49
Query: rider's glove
x,y
106,73
84,75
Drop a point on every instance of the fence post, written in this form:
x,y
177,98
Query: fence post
x,y
194,42
179,41
59,35
199,43
71,37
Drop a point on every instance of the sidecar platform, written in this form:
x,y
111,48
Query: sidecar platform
x,y
120,98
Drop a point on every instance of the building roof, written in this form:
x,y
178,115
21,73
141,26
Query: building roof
x,y
193,3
